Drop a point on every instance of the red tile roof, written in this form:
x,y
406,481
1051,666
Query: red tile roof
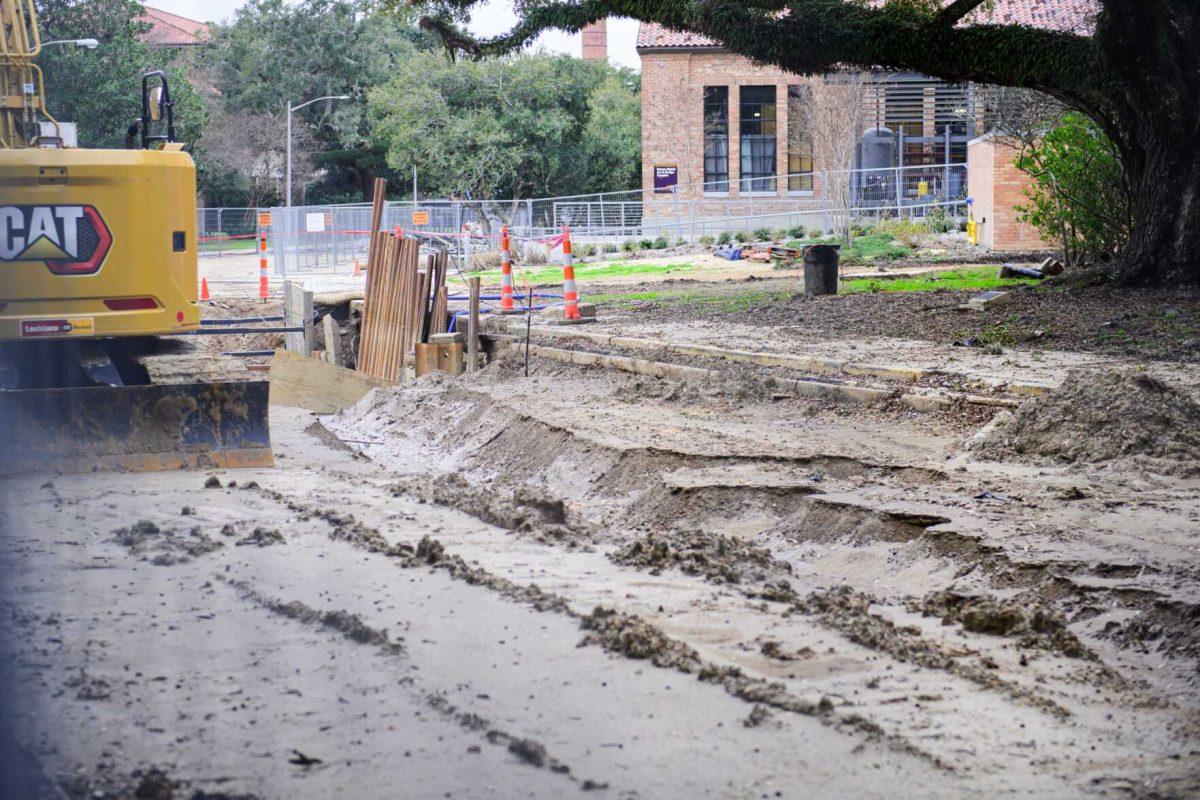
x,y
172,30
1077,16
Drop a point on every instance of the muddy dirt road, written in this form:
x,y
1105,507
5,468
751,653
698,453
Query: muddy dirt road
x,y
655,575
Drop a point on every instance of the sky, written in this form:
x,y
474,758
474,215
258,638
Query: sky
x,y
494,17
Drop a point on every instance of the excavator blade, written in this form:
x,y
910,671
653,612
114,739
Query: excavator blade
x,y
135,428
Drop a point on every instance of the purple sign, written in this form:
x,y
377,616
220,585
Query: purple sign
x,y
666,178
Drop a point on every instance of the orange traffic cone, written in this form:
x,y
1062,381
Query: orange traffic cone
x,y
570,293
205,297
263,290
357,267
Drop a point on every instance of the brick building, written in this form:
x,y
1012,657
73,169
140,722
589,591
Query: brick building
x,y
722,136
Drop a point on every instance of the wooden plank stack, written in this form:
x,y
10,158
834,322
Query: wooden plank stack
x,y
403,306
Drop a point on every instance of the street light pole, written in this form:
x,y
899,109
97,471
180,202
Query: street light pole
x,y
290,109
90,44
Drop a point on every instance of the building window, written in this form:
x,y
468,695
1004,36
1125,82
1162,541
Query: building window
x,y
716,138
757,111
799,142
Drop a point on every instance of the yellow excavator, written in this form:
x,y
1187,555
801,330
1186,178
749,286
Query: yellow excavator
x,y
98,285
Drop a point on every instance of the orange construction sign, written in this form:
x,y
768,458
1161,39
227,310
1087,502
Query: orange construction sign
x,y
264,219
420,218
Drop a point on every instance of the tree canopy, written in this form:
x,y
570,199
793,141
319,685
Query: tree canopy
x,y
509,127
1137,76
100,90
273,52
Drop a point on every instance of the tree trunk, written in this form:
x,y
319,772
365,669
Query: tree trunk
x,y
366,182
1164,181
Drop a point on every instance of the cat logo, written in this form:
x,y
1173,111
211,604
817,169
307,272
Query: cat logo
x,y
69,240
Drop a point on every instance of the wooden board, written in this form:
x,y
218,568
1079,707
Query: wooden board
x,y
451,357
333,340
298,311
316,385
426,359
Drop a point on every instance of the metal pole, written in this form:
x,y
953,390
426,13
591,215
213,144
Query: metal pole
x,y
289,154
946,178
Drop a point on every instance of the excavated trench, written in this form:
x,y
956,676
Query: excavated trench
x,y
777,522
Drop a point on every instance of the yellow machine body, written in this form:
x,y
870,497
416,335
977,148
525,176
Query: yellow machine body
x,y
97,243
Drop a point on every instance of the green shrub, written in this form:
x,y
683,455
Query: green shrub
x,y
489,260
609,247
587,250
725,238
1078,198
535,254
661,243
762,234
646,244
629,246
796,232
872,247
705,241
780,235
907,231
939,221
742,237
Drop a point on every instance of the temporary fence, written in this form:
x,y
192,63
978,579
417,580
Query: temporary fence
x,y
227,231
332,238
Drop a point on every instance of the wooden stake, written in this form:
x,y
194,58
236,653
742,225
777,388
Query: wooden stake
x,y
333,340
473,326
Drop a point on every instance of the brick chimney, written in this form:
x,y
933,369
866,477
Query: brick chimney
x,y
595,41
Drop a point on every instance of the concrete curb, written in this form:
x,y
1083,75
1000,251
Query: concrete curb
x,y
854,394
820,366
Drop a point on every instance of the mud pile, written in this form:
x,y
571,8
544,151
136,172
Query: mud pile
x,y
262,537
1031,624
635,638
524,509
162,546
1097,417
721,559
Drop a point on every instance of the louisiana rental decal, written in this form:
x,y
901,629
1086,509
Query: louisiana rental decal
x,y
69,240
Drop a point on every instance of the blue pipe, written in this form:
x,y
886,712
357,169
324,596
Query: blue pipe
x,y
453,326
499,297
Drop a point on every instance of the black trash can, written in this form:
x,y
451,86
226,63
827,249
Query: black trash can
x,y
821,268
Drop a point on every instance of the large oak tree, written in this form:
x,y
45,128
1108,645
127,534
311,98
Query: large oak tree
x,y
1137,75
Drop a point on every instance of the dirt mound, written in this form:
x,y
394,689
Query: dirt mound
x,y
1103,416
1031,624
164,547
262,537
635,638
525,509
721,559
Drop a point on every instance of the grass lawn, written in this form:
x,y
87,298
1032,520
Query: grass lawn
x,y
228,245
592,271
977,278
732,298
725,299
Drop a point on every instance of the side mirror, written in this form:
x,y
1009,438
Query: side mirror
x,y
156,104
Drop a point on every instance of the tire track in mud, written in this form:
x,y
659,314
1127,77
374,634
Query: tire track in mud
x,y
722,563
352,627
618,633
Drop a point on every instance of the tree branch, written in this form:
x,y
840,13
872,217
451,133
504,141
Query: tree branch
x,y
951,14
815,36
